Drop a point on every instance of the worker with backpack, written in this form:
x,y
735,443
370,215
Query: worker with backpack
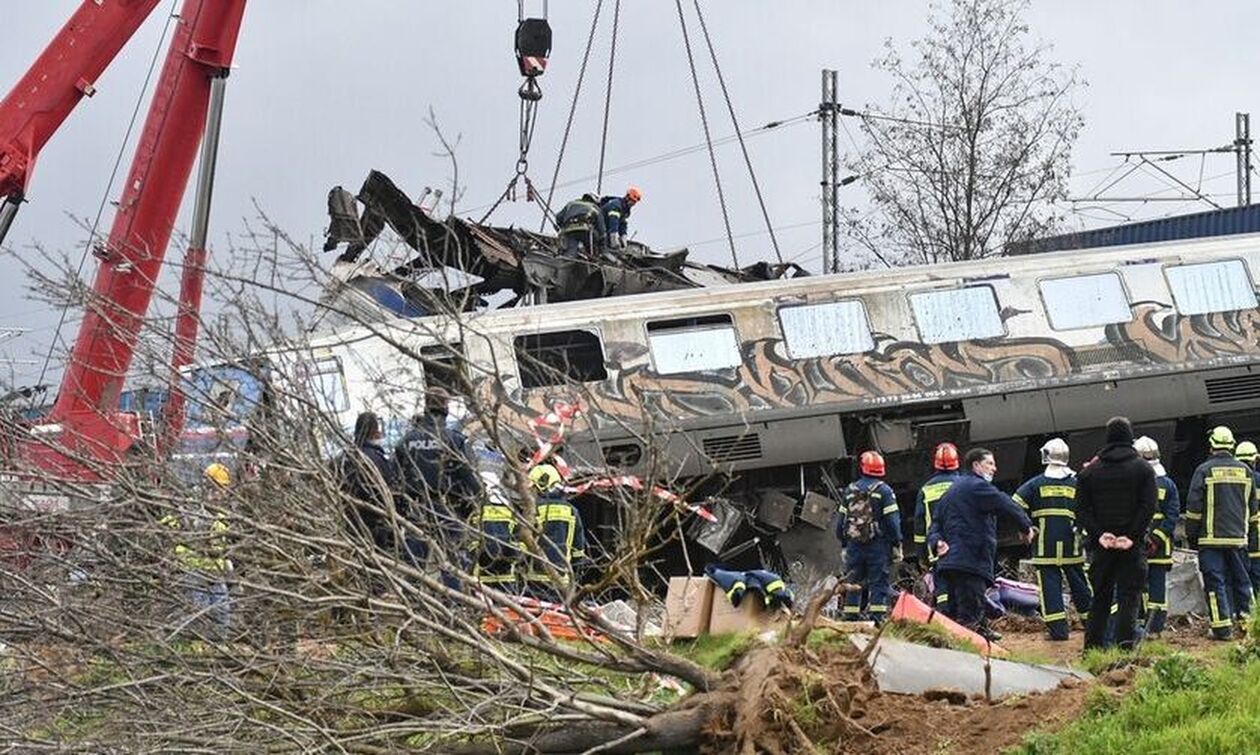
x,y
870,530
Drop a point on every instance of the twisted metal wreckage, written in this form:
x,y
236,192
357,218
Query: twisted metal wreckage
x,y
504,259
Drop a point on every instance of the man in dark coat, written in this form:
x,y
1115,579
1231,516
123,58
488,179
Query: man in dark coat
x,y
369,478
1115,502
964,536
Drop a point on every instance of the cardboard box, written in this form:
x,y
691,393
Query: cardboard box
x,y
751,615
687,606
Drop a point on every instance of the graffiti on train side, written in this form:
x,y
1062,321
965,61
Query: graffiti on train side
x,y
894,372
768,379
1162,335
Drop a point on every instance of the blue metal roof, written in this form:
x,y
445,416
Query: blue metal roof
x,y
1227,222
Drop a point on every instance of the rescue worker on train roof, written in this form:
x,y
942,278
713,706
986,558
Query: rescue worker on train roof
x,y
1219,506
945,464
1050,500
590,224
616,212
1249,454
964,536
1159,540
561,536
869,527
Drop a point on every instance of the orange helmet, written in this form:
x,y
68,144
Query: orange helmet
x,y
945,457
634,195
871,464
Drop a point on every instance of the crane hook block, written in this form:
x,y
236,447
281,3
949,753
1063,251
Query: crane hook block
x,y
533,45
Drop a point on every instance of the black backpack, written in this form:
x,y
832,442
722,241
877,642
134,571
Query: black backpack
x,y
861,523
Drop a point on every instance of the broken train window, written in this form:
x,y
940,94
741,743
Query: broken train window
x,y
693,344
326,381
1207,287
957,314
559,358
821,330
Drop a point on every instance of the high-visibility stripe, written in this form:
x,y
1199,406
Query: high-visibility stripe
x,y
890,509
1215,612
1231,542
1047,513
920,539
1057,491
1054,616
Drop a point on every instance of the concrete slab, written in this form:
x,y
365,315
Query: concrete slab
x,y
910,669
1185,585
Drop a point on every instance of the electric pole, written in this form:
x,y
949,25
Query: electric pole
x,y
828,112
1242,150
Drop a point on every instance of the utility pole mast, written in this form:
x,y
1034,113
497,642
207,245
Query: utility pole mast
x,y
828,113
1242,150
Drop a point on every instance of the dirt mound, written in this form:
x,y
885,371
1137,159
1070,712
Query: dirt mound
x,y
791,700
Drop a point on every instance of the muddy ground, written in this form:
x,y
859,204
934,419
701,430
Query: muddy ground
x,y
822,699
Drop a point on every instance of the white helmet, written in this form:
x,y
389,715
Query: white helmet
x,y
1055,451
1147,448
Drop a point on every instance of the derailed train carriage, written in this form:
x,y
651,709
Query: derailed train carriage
x,y
763,393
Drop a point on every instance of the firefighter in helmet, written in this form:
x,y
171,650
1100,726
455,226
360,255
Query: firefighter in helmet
x,y
945,472
1159,541
870,530
561,536
1050,500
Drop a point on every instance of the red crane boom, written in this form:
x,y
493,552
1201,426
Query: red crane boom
x,y
85,424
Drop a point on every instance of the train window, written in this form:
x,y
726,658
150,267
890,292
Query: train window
x,y
1085,301
558,358
1211,287
326,381
820,330
957,314
694,344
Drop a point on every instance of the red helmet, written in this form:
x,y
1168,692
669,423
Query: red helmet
x,y
945,457
871,464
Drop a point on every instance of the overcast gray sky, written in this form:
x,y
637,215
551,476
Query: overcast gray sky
x,y
325,91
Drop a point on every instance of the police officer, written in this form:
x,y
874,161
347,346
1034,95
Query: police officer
x,y
1247,453
1050,500
870,530
964,536
616,212
432,458
1159,541
1219,504
582,226
945,464
561,536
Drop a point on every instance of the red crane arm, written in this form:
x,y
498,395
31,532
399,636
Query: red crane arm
x,y
131,259
63,74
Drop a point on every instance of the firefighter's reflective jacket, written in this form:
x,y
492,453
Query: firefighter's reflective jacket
x,y
201,540
1051,504
1221,502
1168,510
496,545
925,505
561,536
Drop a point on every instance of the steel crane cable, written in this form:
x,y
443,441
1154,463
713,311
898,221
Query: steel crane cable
x,y
568,126
612,59
109,186
726,95
704,122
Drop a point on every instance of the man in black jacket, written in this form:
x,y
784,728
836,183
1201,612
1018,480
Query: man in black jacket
x,y
1115,501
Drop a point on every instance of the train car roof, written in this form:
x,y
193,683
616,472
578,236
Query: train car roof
x,y
672,304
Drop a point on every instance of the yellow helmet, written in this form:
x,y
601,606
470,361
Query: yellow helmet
x,y
218,474
544,477
1246,451
1221,438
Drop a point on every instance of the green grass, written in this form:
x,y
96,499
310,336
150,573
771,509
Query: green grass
x,y
1181,704
715,651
